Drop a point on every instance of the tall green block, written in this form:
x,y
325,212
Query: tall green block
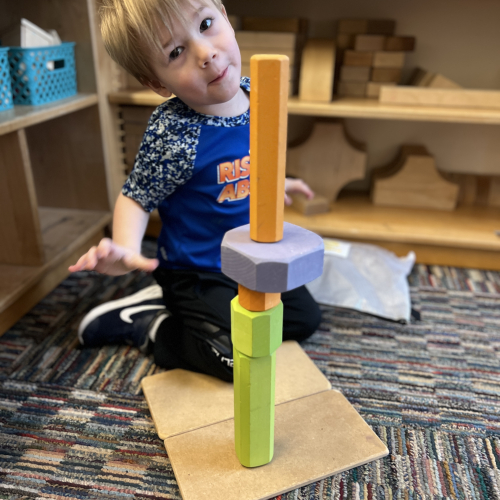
x,y
254,380
255,336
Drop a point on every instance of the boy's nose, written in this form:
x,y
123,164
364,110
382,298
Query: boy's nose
x,y
206,54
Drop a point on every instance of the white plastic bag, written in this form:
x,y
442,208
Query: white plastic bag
x,y
364,277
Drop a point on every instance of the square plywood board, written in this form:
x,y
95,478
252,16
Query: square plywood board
x,y
315,437
181,401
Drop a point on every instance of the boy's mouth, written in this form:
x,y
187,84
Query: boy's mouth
x,y
220,77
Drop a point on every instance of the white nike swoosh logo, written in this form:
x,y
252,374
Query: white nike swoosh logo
x,y
125,314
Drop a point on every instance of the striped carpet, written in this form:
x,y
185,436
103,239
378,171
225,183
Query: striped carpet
x,y
74,423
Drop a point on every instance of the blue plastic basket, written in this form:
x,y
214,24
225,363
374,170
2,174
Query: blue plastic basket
x,y
44,74
5,90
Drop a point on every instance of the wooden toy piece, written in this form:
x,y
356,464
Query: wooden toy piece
x,y
360,74
479,190
416,183
260,42
254,408
366,26
268,102
319,204
357,58
256,336
352,89
276,24
392,75
317,70
256,333
424,78
345,42
328,160
209,400
272,267
389,59
369,43
421,96
373,88
399,43
257,301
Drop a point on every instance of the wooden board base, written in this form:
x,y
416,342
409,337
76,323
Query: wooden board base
x,y
315,437
181,401
317,431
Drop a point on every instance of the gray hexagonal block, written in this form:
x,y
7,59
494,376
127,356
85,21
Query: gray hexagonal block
x,y
272,267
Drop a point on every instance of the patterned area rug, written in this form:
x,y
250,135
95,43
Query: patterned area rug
x,y
74,423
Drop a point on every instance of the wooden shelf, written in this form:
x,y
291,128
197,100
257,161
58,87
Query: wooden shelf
x,y
66,235
345,107
463,237
25,116
371,108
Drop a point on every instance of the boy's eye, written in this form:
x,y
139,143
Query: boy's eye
x,y
206,23
176,53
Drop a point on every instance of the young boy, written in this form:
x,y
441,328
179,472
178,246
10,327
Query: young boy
x,y
193,165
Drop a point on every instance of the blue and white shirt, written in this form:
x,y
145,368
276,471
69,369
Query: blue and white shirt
x,y
195,169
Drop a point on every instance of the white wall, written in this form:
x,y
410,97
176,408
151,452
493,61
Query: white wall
x,y
458,38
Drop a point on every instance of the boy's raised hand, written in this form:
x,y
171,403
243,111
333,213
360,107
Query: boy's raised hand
x,y
297,186
112,259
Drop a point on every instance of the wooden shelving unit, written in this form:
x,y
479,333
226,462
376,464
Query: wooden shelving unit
x,y
466,235
54,195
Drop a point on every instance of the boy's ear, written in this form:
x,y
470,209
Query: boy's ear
x,y
157,87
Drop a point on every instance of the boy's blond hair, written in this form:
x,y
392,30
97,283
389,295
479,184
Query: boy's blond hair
x,y
130,28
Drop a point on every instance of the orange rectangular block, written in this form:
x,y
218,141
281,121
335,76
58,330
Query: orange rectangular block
x,y
268,122
257,301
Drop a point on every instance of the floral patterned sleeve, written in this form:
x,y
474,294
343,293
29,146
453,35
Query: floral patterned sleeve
x,y
166,156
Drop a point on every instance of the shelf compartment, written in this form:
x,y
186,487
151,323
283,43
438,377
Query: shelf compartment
x,y
345,107
66,234
24,116
465,237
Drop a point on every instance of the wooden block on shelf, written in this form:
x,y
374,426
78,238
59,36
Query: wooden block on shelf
x,y
355,73
328,160
417,183
256,40
366,26
421,96
373,88
424,78
317,71
318,205
276,24
385,59
352,89
400,43
357,58
386,75
345,41
477,190
370,43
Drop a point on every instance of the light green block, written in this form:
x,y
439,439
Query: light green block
x,y
254,380
256,334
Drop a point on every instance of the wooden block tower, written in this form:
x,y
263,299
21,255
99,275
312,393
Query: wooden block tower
x,y
266,258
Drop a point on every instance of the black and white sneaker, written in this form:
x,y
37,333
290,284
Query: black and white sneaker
x,y
124,321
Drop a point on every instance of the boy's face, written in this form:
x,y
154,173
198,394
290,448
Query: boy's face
x,y
201,63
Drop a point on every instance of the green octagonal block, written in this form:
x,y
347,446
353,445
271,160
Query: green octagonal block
x,y
256,334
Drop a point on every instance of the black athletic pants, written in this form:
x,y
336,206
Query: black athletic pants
x,y
197,334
